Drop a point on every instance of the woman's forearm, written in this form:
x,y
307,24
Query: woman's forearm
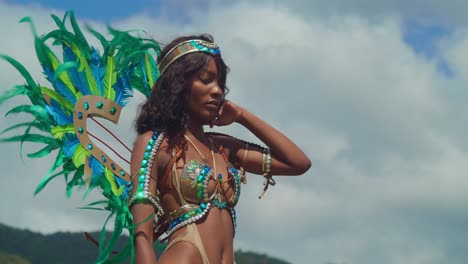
x,y
281,146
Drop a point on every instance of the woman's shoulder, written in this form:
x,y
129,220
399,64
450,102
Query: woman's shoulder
x,y
154,138
163,153
225,140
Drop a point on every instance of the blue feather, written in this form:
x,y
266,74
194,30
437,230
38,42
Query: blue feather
x,y
57,113
70,143
122,88
127,188
59,86
78,78
98,170
97,69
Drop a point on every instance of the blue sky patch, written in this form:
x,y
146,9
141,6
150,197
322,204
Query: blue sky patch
x,y
423,40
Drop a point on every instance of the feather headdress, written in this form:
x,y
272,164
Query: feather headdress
x,y
85,83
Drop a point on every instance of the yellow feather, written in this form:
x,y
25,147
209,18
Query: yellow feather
x,y
63,76
109,79
110,178
59,98
58,132
92,84
148,70
80,155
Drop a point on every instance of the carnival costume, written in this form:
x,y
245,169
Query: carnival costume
x,y
88,84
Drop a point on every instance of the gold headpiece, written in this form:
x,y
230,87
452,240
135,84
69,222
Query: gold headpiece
x,y
187,47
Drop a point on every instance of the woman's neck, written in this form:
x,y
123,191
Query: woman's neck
x,y
195,130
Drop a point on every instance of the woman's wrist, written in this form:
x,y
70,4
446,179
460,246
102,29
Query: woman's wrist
x,y
241,118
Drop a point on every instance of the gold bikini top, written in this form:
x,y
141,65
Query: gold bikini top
x,y
199,190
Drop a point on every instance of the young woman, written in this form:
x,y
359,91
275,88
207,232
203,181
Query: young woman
x,y
189,178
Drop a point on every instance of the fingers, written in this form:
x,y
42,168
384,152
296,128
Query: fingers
x,y
220,112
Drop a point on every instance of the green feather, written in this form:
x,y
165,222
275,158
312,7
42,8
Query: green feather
x,y
44,151
99,36
77,180
91,208
45,181
58,22
59,160
34,110
29,80
37,138
35,123
102,238
14,91
98,202
29,20
79,35
149,71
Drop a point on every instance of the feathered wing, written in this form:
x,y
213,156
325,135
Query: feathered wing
x,y
85,83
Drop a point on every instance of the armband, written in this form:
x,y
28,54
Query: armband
x,y
143,194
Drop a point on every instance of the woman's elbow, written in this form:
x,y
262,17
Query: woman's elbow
x,y
305,166
301,167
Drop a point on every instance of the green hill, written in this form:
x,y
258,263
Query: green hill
x,y
19,246
6,258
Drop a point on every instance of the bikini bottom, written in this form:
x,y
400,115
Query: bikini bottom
x,y
192,236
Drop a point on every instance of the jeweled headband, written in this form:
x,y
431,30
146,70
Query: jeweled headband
x,y
187,47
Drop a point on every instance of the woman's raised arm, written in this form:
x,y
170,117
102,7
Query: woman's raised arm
x,y
286,157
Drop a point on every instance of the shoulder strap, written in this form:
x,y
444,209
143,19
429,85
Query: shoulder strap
x,y
165,181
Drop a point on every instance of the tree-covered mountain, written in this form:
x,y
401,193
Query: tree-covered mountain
x,y
6,258
19,246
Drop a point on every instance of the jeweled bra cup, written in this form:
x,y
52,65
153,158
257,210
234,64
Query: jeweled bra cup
x,y
194,181
195,185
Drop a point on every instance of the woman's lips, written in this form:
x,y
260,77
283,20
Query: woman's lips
x,y
213,104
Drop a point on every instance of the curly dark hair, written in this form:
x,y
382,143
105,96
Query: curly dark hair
x,y
165,109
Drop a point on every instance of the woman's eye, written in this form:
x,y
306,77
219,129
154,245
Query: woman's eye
x,y
206,79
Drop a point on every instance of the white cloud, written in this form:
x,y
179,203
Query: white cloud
x,y
382,125
450,12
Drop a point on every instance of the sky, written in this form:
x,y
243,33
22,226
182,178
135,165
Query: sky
x,y
373,91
